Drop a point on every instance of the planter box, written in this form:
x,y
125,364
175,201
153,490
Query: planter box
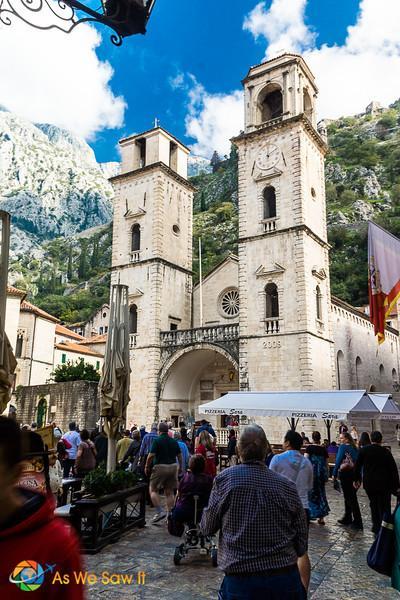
x,y
101,521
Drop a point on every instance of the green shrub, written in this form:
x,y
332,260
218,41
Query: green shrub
x,y
98,483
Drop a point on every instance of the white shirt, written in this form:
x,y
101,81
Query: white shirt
x,y
294,466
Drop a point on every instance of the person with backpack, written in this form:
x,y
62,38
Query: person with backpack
x,y
207,449
86,455
344,468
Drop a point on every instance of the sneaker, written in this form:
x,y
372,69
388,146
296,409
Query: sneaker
x,y
159,516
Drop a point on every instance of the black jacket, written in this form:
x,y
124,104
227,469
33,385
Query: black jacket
x,y
378,469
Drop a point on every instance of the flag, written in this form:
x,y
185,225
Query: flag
x,y
384,276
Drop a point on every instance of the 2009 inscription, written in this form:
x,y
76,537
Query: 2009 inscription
x,y
272,344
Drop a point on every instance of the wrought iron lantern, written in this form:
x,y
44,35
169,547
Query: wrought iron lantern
x,y
124,17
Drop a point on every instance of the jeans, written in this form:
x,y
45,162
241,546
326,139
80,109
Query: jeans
x,y
379,505
67,466
352,510
286,586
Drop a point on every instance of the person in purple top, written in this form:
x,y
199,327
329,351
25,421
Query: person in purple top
x,y
194,482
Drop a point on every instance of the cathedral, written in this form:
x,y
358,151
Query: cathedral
x,y
265,319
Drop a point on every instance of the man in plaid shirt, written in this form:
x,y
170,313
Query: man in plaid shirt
x,y
262,525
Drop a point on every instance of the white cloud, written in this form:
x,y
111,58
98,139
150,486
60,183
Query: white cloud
x,y
213,119
282,26
55,77
366,67
177,82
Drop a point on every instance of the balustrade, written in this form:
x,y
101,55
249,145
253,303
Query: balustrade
x,y
217,333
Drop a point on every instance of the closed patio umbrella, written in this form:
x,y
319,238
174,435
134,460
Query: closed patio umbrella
x,y
114,381
7,359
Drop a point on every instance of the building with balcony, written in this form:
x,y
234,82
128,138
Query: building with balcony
x,y
262,320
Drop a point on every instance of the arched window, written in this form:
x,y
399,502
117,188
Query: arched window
x,y
394,375
135,245
307,104
18,345
269,202
318,300
339,365
271,301
270,103
133,319
381,371
358,371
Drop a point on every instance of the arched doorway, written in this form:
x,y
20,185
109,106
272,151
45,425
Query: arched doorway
x,y
41,413
194,376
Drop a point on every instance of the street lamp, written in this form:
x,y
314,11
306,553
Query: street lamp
x,y
124,17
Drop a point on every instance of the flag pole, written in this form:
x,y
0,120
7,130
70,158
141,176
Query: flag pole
x,y
201,284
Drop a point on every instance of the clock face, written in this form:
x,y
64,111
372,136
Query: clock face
x,y
268,157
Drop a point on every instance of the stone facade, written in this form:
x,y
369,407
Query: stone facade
x,y
288,334
64,402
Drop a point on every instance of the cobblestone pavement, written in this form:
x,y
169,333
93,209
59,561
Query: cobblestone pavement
x,y
338,556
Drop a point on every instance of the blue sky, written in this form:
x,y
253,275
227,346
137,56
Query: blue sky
x,y
186,70
201,37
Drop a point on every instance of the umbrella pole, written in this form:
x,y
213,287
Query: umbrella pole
x,y
111,454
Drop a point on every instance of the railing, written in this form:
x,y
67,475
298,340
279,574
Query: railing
x,y
223,435
272,325
132,340
269,225
135,256
217,333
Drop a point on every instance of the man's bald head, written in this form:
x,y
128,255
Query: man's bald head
x,y
252,444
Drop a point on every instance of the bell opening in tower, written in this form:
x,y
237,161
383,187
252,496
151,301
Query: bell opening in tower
x,y
270,103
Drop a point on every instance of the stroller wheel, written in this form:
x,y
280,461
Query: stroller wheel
x,y
214,557
178,555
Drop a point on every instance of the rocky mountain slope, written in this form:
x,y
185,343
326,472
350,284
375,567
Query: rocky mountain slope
x,y
50,182
362,182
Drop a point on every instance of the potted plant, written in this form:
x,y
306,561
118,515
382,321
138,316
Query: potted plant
x,y
109,504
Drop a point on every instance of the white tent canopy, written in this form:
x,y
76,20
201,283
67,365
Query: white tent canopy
x,y
389,411
335,404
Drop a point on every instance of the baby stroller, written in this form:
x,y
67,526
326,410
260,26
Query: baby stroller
x,y
195,540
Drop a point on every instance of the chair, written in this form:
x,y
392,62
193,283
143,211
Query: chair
x,y
195,540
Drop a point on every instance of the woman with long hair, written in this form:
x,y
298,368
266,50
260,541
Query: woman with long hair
x,y
365,440
318,455
207,449
344,468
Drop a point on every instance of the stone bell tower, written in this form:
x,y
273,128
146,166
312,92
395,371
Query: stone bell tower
x,y
152,254
285,322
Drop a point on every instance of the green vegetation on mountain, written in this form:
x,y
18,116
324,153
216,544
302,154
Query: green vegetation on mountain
x,y
362,183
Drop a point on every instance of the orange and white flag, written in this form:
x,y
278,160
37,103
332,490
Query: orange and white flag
x,y
384,276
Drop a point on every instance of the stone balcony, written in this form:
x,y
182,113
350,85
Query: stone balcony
x,y
226,336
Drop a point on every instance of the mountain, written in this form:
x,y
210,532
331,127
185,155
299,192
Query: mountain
x,y
362,182
197,165
50,182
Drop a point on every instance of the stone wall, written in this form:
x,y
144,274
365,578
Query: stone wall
x,y
66,401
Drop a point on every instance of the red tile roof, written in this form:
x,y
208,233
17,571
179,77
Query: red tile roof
x,y
28,307
96,339
13,291
78,348
61,330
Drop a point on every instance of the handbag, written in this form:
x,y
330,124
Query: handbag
x,y
347,463
381,555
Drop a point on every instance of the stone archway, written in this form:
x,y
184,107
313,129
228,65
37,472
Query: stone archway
x,y
192,376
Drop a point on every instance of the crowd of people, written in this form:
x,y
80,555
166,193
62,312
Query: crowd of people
x,y
261,504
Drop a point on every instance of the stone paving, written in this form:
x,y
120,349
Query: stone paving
x,y
339,570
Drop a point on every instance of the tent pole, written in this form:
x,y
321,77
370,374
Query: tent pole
x,y
328,424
